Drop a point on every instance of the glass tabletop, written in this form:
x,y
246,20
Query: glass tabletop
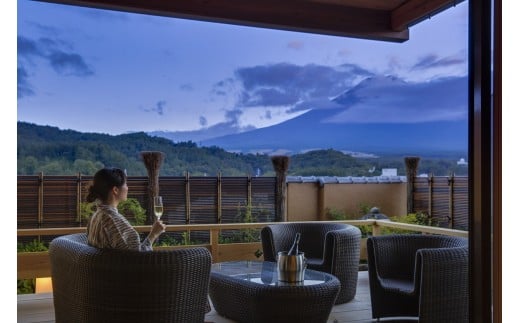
x,y
265,273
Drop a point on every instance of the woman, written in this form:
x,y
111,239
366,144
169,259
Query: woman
x,y
107,228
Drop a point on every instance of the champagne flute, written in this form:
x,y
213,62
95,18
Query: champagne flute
x,y
158,206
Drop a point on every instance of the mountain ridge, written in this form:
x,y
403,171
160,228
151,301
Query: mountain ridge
x,y
379,115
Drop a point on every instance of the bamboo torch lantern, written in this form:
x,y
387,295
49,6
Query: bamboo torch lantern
x,y
152,161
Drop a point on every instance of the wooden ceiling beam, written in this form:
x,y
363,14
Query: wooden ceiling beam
x,y
414,11
293,15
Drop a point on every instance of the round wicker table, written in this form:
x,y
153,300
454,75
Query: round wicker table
x,y
249,291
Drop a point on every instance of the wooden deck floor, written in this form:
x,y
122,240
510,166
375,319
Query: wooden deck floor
x,y
38,308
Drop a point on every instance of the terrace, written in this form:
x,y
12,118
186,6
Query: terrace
x,y
38,307
48,201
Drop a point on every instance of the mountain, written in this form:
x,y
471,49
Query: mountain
x,y
304,133
52,151
218,130
381,115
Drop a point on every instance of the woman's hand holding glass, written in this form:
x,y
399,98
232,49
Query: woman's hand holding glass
x,y
158,227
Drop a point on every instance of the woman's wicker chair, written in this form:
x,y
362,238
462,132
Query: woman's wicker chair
x,y
102,285
424,276
329,247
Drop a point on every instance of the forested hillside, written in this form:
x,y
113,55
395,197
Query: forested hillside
x,y
66,152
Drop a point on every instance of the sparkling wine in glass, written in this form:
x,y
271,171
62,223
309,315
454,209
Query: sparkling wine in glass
x,y
158,206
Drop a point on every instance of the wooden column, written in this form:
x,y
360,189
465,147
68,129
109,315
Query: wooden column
x,y
40,201
411,163
152,161
78,200
280,165
451,199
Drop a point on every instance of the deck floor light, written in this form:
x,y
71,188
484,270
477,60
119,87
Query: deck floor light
x,y
43,285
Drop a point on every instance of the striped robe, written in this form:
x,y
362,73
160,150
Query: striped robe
x,y
107,228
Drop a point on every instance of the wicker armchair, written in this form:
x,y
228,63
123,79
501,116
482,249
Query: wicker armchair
x,y
329,247
424,276
95,285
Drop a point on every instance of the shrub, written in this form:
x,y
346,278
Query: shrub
x,y
419,218
244,215
131,209
338,215
335,214
32,246
176,239
25,286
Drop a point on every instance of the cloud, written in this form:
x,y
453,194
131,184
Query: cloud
x,y
269,97
433,61
228,127
232,116
322,103
357,94
24,88
159,107
186,87
27,48
55,53
224,88
203,121
69,64
286,84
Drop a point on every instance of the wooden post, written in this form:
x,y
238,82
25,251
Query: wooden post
x,y
412,164
219,198
152,161
213,241
188,196
40,201
430,195
280,165
376,229
78,200
451,185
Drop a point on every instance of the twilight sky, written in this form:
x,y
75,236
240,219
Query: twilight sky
x,y
94,70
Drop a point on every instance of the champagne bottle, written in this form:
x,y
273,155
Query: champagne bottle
x,y
294,248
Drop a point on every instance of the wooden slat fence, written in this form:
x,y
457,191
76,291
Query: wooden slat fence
x,y
54,201
445,198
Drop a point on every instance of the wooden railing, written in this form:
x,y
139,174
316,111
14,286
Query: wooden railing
x,y
37,264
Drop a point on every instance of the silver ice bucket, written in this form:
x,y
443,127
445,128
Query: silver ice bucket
x,y
291,269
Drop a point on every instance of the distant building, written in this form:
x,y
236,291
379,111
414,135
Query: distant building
x,y
462,162
389,172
